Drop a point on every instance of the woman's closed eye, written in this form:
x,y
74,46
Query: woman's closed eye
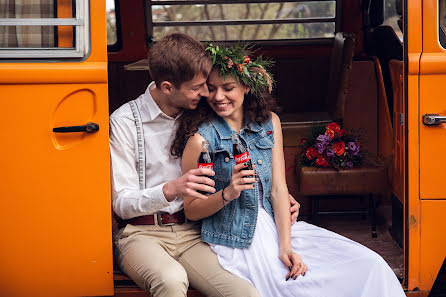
x,y
228,89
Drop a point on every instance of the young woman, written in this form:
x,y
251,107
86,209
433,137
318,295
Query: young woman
x,y
247,220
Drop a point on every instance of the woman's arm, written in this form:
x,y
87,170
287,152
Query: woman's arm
x,y
281,205
195,208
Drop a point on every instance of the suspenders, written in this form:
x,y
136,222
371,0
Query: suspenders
x,y
141,149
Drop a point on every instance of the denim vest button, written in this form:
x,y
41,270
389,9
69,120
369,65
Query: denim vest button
x,y
259,162
227,159
267,180
251,147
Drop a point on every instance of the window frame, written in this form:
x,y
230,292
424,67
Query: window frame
x,y
81,23
337,20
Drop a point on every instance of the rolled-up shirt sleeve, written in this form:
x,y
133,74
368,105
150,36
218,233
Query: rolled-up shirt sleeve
x,y
128,199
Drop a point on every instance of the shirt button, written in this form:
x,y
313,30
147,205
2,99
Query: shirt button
x,y
259,162
227,159
251,147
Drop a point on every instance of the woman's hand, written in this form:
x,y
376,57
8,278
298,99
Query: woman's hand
x,y
239,182
294,263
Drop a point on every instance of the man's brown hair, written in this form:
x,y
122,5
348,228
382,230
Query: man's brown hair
x,y
177,58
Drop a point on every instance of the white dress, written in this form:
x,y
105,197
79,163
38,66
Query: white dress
x,y
336,265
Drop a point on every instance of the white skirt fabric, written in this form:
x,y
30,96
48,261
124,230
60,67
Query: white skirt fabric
x,y
336,265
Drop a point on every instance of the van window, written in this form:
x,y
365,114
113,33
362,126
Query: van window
x,y
244,20
442,23
111,23
44,29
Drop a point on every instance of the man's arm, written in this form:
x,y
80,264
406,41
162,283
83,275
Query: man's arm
x,y
128,199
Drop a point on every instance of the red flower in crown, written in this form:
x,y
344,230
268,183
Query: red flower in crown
x,y
247,60
240,67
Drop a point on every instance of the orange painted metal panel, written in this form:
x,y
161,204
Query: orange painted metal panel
x,y
432,138
56,236
433,241
413,44
65,33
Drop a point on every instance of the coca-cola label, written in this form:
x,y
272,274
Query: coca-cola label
x,y
206,165
242,158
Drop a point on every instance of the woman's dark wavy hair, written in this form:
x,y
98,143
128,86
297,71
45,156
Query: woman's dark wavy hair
x,y
255,109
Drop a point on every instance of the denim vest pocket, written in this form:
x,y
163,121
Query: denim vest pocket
x,y
223,166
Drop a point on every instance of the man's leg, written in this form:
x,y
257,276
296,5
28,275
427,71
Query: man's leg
x,y
146,262
206,275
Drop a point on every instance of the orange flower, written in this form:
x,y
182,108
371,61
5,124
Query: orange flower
x,y
247,60
230,63
333,127
240,67
339,148
330,133
320,161
311,153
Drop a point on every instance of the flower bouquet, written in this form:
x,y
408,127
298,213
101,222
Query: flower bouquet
x,y
331,147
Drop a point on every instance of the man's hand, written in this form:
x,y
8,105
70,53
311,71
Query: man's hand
x,y
295,206
187,185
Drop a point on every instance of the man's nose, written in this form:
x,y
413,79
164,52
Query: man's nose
x,y
204,91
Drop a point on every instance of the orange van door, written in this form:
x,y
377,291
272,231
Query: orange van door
x,y
426,140
55,187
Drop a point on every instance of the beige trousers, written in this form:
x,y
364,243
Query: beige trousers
x,y
164,260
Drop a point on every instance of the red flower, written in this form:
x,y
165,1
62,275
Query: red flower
x,y
330,133
311,153
339,148
333,127
320,161
341,132
247,60
240,67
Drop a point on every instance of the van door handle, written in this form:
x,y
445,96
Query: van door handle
x,y
433,119
89,128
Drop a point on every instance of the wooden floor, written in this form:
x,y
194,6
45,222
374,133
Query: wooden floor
x,y
358,229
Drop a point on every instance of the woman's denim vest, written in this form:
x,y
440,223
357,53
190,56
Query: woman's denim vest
x,y
234,225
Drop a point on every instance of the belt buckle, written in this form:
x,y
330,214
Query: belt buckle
x,y
160,221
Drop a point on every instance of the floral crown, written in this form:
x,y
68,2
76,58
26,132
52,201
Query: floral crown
x,y
235,61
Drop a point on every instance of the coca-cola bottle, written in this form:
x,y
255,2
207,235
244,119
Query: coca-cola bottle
x,y
205,161
241,154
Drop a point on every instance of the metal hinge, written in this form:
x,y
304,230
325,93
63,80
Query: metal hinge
x,y
402,119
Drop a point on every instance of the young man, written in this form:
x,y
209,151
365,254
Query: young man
x,y
157,249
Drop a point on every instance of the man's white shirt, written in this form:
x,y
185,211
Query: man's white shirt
x,y
159,131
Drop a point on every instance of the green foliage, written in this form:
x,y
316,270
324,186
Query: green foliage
x,y
235,61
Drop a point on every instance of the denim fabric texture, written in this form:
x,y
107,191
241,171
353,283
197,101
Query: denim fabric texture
x,y
234,225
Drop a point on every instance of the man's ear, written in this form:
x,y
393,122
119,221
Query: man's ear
x,y
167,87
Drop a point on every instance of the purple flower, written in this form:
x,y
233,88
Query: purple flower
x,y
356,152
325,139
352,146
320,147
350,164
330,152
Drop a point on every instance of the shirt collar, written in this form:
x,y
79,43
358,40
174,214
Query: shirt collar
x,y
153,110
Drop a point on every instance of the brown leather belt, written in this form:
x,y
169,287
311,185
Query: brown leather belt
x,y
161,219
